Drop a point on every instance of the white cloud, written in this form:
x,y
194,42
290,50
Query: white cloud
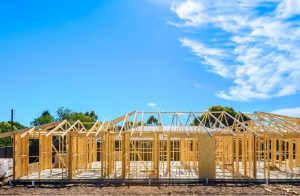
x,y
263,57
151,104
200,49
210,56
288,8
288,112
191,12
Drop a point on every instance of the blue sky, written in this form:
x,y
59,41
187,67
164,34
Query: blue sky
x,y
118,56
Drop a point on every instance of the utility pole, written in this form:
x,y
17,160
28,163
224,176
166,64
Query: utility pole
x,y
12,119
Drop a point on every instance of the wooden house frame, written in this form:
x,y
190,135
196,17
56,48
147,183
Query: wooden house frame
x,y
178,145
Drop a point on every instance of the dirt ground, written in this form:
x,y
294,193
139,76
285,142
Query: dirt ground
x,y
150,190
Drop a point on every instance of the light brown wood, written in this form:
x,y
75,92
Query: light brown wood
x,y
257,148
206,159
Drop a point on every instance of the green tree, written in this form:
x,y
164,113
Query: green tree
x,y
227,120
92,114
81,116
6,127
63,113
196,121
229,110
18,125
152,121
140,123
45,118
67,114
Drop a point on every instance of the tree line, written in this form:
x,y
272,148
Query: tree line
x,y
64,114
226,120
46,117
91,116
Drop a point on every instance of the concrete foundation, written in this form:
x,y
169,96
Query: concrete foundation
x,y
140,170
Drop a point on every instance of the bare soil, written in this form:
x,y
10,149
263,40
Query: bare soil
x,y
150,190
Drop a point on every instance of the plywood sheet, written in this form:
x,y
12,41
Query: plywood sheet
x,y
206,150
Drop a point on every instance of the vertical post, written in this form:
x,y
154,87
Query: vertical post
x,y
259,151
285,156
273,152
127,147
14,157
108,155
12,122
70,156
49,153
102,155
64,153
232,156
280,152
244,155
298,152
265,153
40,155
94,150
169,154
182,150
250,154
156,155
124,154
237,159
291,155
85,146
254,156
223,155
194,153
268,155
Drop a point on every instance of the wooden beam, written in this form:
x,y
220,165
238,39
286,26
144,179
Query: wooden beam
x,y
71,127
100,128
56,128
27,132
46,126
122,117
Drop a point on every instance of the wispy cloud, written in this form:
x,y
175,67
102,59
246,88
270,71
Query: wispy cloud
x,y
151,104
288,8
288,112
263,59
199,85
200,49
209,56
